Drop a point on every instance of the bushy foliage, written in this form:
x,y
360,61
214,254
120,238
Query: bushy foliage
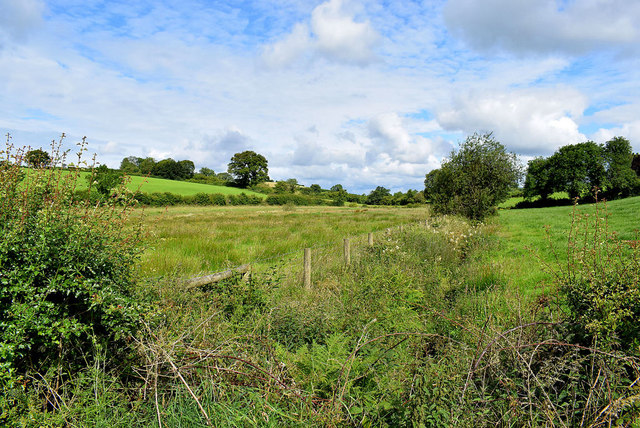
x,y
66,279
37,158
474,180
379,196
579,169
291,198
601,283
105,179
249,168
157,199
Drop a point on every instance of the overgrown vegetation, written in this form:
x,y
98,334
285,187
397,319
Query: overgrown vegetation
x,y
66,277
426,327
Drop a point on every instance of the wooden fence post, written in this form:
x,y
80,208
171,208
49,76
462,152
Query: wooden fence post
x,y
347,252
370,238
307,268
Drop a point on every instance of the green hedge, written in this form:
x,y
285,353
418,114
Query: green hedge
x,y
290,198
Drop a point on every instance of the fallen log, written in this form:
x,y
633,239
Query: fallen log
x,y
215,277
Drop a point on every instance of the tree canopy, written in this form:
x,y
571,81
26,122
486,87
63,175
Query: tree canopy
x,y
248,168
37,158
474,180
580,168
379,196
105,179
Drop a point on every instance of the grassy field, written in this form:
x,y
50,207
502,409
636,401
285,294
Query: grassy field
x,y
525,234
436,324
184,188
192,240
151,185
511,202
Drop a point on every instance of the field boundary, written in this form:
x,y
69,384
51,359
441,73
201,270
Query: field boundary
x,y
346,253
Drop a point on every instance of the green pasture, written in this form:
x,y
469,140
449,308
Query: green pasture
x,y
184,188
528,238
160,185
512,202
189,240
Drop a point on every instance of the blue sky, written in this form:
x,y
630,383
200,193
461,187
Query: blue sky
x,y
362,93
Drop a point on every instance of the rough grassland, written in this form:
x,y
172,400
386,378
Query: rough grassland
x,y
191,240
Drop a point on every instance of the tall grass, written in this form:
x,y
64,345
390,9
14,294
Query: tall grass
x,y
192,240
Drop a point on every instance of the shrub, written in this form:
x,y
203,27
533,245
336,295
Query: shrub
x,y
285,198
601,283
66,279
474,180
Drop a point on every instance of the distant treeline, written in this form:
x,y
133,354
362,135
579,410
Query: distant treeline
x,y
161,199
279,193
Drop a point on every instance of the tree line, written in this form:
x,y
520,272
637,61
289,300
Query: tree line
x,y
481,174
577,169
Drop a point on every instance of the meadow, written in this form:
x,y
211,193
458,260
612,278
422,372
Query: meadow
x,y
431,325
440,322
187,240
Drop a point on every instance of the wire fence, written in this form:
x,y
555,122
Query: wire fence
x,y
302,264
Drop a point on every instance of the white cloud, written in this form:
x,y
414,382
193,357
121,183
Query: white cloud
x,y
19,17
290,48
332,33
341,38
544,26
528,121
390,139
186,81
630,131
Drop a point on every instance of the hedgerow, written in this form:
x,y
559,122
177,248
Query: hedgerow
x,y
66,273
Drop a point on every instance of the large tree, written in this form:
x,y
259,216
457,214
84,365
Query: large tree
x,y
37,158
167,168
474,180
248,168
130,165
580,168
187,169
539,179
621,179
379,196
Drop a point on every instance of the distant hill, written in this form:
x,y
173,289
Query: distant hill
x,y
183,188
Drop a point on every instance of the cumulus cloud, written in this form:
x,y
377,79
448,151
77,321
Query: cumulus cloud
x,y
18,18
531,121
391,139
332,33
290,48
343,149
630,131
545,26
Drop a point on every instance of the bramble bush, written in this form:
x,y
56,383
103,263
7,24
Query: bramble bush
x,y
66,279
